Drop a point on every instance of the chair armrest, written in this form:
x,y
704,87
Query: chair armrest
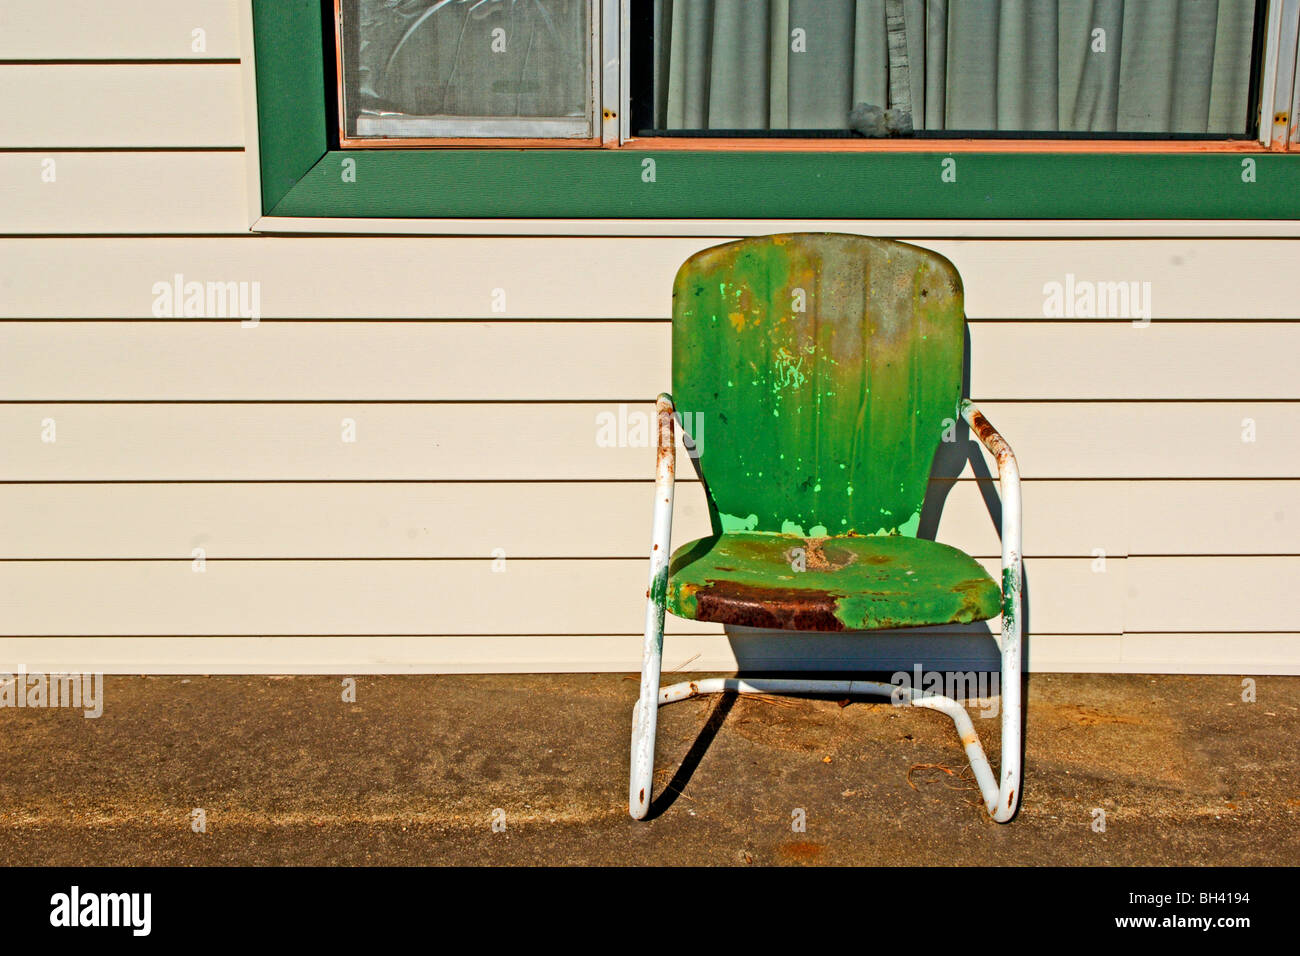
x,y
661,535
1008,483
666,455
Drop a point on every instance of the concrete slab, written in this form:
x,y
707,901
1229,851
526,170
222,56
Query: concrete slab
x,y
286,772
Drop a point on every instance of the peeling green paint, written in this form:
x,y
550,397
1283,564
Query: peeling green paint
x,y
733,523
853,390
1010,591
659,589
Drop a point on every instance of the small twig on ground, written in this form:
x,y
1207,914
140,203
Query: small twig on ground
x,y
964,777
682,665
770,699
672,670
680,793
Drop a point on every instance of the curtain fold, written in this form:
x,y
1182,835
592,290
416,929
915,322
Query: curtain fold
x,y
1094,66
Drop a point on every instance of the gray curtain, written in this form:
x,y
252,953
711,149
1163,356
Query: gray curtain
x,y
1156,66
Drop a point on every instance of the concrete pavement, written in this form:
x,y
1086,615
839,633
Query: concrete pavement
x,y
417,770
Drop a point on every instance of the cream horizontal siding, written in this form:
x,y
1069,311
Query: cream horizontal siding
x,y
558,597
1215,594
475,369
562,597
559,441
1207,517
1254,654
592,519
595,278
118,105
98,88
1200,653
584,361
120,30
122,192
387,654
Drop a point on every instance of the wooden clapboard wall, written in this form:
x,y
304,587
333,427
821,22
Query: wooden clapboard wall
x,y
1157,539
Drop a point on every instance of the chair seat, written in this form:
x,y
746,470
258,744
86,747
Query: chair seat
x,y
846,583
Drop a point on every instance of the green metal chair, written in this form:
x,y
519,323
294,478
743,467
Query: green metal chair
x,y
815,375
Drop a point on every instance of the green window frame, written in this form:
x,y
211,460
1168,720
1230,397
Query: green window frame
x,y
303,176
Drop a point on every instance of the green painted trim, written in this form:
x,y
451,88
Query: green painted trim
x,y
725,185
300,178
290,68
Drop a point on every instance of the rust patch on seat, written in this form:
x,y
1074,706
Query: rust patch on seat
x,y
787,609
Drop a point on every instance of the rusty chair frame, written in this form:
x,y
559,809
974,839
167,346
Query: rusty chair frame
x,y
1000,798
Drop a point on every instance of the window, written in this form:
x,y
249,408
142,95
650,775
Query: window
x,y
638,117
430,72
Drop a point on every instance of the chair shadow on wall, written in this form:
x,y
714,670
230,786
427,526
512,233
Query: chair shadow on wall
x,y
757,650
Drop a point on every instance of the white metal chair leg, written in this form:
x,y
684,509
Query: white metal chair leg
x,y
645,717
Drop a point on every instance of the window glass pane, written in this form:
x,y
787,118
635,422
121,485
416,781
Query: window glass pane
x,y
1155,68
451,68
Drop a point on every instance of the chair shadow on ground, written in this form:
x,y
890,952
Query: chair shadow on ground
x,y
770,653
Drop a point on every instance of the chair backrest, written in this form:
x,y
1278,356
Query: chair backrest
x,y
816,373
